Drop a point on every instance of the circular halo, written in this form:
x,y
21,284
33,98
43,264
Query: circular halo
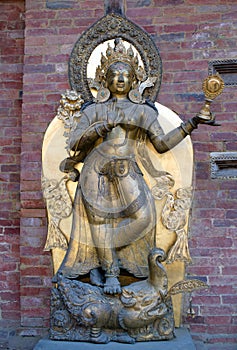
x,y
110,27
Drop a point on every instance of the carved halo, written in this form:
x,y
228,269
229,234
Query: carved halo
x,y
110,27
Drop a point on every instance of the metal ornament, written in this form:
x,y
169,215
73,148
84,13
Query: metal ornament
x,y
212,87
135,96
103,95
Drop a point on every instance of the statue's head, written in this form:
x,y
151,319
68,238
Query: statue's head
x,y
119,55
120,78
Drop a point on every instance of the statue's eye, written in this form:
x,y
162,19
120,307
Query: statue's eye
x,y
146,301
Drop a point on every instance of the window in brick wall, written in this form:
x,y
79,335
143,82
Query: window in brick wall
x,y
223,165
227,68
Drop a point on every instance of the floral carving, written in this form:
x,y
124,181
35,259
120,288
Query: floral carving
x,y
174,218
69,111
59,206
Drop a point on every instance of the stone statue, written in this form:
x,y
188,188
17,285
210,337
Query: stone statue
x,y
114,214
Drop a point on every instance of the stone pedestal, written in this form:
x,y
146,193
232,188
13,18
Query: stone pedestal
x,y
182,341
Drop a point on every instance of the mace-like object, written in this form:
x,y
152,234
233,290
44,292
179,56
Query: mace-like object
x,y
212,87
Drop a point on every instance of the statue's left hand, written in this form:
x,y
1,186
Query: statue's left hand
x,y
198,119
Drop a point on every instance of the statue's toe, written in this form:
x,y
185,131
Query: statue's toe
x,y
112,286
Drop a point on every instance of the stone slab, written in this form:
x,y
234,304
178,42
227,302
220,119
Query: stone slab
x,y
182,341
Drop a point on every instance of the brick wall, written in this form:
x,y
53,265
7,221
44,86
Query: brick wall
x,y
188,33
12,49
49,37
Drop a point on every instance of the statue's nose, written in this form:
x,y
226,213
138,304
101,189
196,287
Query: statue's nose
x,y
120,78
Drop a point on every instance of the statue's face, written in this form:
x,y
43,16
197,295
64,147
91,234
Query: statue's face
x,y
120,77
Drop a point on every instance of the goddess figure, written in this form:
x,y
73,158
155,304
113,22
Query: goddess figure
x,y
114,216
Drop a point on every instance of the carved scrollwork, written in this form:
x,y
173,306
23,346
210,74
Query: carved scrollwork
x,y
187,286
61,320
59,206
165,326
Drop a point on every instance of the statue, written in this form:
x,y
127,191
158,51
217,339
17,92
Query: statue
x,y
114,214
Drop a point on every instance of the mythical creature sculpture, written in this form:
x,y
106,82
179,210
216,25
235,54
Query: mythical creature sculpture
x,y
143,311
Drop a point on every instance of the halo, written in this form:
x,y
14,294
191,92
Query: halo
x,y
109,27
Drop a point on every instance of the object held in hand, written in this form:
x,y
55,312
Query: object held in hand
x,y
212,87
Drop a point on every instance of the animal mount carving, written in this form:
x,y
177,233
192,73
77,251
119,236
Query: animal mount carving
x,y
142,312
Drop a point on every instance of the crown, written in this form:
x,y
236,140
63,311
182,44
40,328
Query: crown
x,y
119,54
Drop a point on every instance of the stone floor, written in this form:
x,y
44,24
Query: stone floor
x,y
18,343
27,343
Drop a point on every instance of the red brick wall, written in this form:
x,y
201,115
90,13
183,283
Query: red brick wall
x,y
188,33
12,49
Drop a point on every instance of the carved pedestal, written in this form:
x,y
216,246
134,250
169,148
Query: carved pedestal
x,y
83,312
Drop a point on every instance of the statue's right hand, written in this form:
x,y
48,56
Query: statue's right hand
x,y
115,115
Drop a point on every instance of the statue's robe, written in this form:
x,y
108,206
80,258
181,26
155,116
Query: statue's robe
x,y
112,187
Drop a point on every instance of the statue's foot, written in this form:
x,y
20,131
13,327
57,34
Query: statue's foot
x,y
98,337
112,285
97,278
102,338
124,338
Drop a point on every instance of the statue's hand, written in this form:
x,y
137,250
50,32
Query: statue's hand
x,y
74,175
199,119
67,166
115,115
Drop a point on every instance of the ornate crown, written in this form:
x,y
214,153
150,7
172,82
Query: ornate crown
x,y
119,54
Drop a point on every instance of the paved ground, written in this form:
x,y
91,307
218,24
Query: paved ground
x,y
18,343
28,343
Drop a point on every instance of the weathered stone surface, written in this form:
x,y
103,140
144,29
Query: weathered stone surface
x,y
182,341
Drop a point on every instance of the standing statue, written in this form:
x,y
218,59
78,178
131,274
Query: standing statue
x,y
114,214
117,201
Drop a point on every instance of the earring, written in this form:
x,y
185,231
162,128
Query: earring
x,y
135,96
103,94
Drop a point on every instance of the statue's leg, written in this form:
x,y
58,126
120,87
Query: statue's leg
x,y
109,263
97,277
103,238
135,227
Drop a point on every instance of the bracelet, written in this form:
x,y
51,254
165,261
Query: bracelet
x,y
189,126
